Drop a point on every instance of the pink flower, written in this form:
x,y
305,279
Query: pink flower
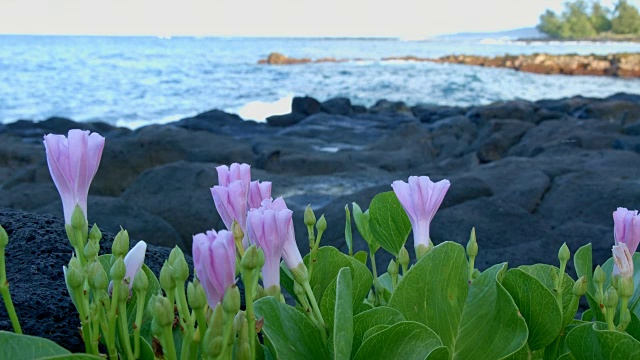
x,y
226,174
258,191
420,199
73,162
627,228
214,261
133,261
231,202
290,252
270,227
623,261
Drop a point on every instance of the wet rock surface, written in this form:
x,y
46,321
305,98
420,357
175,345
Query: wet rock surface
x,y
528,175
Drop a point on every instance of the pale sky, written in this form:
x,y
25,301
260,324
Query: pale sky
x,y
396,18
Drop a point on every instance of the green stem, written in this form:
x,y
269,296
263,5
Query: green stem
x,y
227,350
472,266
85,320
316,310
202,323
111,318
137,326
248,278
6,296
169,346
124,330
193,350
80,247
559,285
610,315
185,320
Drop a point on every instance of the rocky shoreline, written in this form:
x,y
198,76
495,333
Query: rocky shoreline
x,y
618,65
527,175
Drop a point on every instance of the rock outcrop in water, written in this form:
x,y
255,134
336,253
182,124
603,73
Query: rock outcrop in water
x,y
620,65
528,175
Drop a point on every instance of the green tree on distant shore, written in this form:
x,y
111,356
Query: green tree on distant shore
x,y
583,19
626,20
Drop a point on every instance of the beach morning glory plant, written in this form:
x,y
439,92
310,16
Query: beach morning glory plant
x,y
338,305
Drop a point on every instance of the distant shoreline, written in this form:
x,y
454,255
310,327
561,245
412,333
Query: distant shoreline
x,y
625,65
598,39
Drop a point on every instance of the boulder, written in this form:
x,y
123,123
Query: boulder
x,y
305,105
621,112
337,106
516,109
504,134
285,120
386,106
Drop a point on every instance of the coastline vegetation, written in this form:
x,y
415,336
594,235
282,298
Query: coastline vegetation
x,y
592,21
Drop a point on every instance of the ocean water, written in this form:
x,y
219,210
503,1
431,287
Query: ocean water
x,y
134,81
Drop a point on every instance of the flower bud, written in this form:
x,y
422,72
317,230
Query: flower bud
x,y
564,254
74,278
300,273
598,275
78,220
213,345
118,270
140,282
309,216
236,230
196,295
95,234
580,287
243,350
156,329
392,269
100,279
321,225
123,294
472,245
91,250
4,238
237,321
298,290
251,258
163,311
167,282
120,245
611,298
180,269
231,300
403,257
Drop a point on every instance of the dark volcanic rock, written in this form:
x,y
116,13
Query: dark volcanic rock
x,y
517,109
504,134
37,250
337,106
285,120
386,106
305,105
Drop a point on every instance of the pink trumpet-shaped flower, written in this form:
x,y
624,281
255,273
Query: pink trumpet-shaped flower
x,y
258,191
231,202
627,228
420,199
73,162
268,228
623,261
290,252
214,261
229,174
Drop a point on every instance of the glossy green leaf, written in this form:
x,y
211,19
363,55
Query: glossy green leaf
x,y
288,332
477,321
583,262
348,235
374,330
362,224
590,341
364,321
361,256
343,312
25,347
286,280
544,273
537,305
405,340
439,353
72,357
388,222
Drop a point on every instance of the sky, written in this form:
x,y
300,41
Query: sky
x,y
351,18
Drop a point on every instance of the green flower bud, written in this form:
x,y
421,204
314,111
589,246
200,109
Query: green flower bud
x,y
298,290
309,216
75,278
216,323
196,295
100,279
163,311
300,273
4,238
91,250
95,234
231,300
120,245
625,287
472,245
118,270
598,275
580,287
74,263
156,329
321,225
78,220
180,268
175,254
564,254
213,345
92,271
392,269
123,294
237,321
70,234
140,282
243,350
611,298
238,234
167,282
250,260
403,257
260,258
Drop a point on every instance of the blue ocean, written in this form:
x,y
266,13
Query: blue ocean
x,y
135,81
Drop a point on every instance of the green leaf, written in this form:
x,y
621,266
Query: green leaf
x,y
583,262
634,327
343,310
72,357
590,341
364,321
348,235
290,334
388,222
25,347
477,321
404,340
286,280
439,353
634,302
361,256
374,330
330,261
362,224
544,273
537,305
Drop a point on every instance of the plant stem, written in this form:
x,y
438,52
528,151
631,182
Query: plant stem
x,y
137,325
169,346
6,296
111,337
472,266
85,320
202,323
124,330
185,320
316,310
248,303
229,337
559,285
